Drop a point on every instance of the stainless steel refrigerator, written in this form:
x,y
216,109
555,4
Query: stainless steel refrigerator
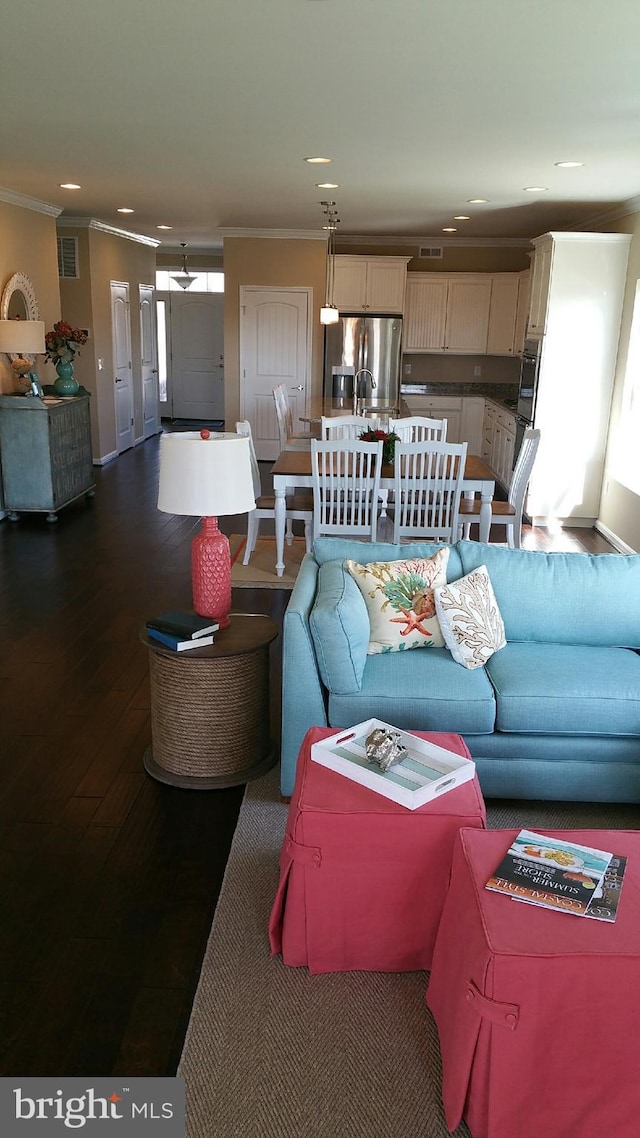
x,y
373,342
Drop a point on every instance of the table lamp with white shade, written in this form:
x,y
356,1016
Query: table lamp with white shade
x,y
207,475
22,339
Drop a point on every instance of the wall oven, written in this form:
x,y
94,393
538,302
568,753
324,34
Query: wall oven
x,y
527,389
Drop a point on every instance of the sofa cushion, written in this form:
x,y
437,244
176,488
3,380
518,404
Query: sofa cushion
x,y
561,689
470,619
399,600
562,598
419,691
340,628
341,548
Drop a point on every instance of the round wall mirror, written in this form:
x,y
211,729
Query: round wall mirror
x,y
19,303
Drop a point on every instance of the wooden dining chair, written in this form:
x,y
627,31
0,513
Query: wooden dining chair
x,y
346,426
418,429
289,438
507,514
346,486
427,488
299,504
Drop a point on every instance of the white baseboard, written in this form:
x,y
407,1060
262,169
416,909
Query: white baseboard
x,y
613,539
105,458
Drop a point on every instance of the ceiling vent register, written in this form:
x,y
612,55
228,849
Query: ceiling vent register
x,y
68,257
430,252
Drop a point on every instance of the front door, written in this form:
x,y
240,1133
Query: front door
x,y
149,363
275,347
197,359
123,386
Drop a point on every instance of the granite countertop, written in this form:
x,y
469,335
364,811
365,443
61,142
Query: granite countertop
x,y
506,394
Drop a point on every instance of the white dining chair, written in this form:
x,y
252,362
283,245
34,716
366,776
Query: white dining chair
x,y
507,514
299,504
418,428
346,426
346,486
289,438
427,488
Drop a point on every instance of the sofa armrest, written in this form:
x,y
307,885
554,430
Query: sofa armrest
x,y
303,696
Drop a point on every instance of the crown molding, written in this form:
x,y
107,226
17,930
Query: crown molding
x,y
410,242
622,209
25,202
93,223
278,234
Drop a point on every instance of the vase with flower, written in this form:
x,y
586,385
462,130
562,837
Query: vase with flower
x,y
62,343
389,440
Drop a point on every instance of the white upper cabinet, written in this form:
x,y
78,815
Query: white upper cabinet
x,y
540,282
508,314
447,312
370,284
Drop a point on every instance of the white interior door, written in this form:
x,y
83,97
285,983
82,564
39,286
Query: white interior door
x,y
197,355
123,386
149,362
275,347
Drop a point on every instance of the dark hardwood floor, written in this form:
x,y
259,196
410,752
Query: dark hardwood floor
x,y
108,879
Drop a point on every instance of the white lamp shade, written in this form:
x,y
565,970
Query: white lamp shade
x,y
205,477
22,337
329,314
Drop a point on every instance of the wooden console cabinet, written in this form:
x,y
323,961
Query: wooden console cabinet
x,y
45,453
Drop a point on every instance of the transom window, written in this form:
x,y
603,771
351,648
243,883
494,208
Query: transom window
x,y
202,282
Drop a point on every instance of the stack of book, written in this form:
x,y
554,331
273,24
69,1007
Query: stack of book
x,y
181,630
561,875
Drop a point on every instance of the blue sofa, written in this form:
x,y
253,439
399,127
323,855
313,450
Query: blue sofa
x,y
553,715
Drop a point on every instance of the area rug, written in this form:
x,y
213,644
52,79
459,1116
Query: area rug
x,y
260,573
273,1052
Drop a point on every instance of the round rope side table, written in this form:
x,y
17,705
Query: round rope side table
x,y
210,707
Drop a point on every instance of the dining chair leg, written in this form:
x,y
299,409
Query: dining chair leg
x,y
308,535
253,524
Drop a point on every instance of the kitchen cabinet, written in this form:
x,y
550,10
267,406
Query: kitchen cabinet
x,y
447,312
508,313
540,281
471,423
499,441
45,451
447,407
370,284
580,312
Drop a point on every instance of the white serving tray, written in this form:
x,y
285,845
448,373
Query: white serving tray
x,y
426,772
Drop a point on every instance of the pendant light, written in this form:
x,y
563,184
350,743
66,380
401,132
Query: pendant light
x,y
184,279
329,314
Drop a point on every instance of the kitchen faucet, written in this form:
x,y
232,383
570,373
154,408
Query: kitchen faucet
x,y
356,383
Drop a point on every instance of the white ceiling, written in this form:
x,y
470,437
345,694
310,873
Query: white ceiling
x,y
199,114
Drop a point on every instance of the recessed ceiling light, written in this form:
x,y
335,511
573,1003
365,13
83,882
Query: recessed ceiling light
x,y
477,201
70,186
125,209
462,217
164,227
568,165
535,189
449,229
318,160
327,185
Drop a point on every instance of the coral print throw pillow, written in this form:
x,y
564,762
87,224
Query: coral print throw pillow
x,y
470,619
400,602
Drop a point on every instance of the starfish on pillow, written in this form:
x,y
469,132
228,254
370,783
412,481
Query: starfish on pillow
x,y
413,621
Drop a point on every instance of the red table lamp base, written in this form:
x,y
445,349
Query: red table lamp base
x,y
211,572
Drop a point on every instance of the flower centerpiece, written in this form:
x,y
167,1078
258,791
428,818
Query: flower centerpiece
x,y
62,343
389,440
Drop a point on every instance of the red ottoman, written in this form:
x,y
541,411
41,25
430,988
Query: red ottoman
x,y
363,879
538,1012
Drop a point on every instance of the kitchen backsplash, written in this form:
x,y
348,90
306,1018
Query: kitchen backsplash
x,y
460,369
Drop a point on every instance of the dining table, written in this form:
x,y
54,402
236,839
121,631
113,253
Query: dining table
x,y
292,469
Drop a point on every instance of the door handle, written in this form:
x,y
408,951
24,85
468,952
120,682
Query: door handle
x,y
118,380
300,387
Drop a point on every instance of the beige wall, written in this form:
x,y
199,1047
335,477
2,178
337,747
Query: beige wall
x,y
28,245
455,259
620,507
282,263
105,257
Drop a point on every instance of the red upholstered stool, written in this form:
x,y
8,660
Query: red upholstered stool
x,y
538,1012
363,879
